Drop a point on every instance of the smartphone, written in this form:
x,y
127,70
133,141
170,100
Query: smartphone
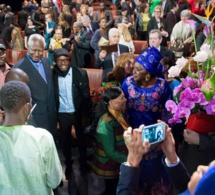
x,y
154,133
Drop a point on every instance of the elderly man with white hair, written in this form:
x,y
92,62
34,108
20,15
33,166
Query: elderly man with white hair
x,y
40,83
107,61
89,26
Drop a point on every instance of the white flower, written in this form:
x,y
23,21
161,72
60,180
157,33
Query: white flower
x,y
174,71
181,62
201,56
205,47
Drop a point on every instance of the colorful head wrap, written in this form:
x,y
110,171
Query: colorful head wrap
x,y
150,60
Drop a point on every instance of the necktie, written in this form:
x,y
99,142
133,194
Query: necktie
x,y
115,56
39,67
89,31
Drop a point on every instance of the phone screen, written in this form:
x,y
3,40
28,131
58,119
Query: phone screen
x,y
154,133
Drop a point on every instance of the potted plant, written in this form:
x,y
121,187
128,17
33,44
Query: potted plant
x,y
194,98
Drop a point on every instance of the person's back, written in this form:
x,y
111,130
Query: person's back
x,y
29,161
28,157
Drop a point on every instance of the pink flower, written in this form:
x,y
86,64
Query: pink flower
x,y
186,94
174,71
132,92
203,100
141,108
174,120
201,56
183,112
189,82
171,106
187,104
181,62
177,89
206,31
155,95
210,109
192,24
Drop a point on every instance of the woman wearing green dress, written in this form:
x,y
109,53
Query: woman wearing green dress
x,y
110,149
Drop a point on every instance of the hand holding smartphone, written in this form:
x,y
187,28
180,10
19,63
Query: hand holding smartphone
x,y
154,133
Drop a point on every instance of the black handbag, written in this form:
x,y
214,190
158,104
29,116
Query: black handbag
x,y
178,47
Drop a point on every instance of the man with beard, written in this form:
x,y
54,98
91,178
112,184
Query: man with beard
x,y
4,67
103,13
72,94
82,52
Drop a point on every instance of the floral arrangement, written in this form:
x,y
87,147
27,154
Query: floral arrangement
x,y
96,94
197,91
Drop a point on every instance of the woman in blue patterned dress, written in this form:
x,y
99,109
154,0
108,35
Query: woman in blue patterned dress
x,y
146,95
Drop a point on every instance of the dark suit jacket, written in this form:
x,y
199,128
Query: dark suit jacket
x,y
107,15
171,20
38,18
94,27
107,64
153,25
42,93
80,90
129,179
9,19
22,19
1,21
82,52
167,8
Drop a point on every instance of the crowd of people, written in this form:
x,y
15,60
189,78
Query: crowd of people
x,y
37,93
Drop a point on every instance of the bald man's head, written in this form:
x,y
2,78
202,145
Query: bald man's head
x,y
16,74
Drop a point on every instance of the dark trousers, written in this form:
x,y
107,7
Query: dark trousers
x,y
142,35
111,185
66,120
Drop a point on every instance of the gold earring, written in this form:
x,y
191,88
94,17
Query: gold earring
x,y
147,77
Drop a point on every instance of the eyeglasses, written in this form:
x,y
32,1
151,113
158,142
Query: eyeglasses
x,y
63,60
157,11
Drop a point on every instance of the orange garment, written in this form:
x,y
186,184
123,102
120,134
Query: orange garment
x,y
102,14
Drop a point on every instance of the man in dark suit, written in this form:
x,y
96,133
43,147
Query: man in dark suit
x,y
103,13
40,83
171,18
2,15
167,6
155,39
9,17
89,27
22,17
82,52
107,61
72,96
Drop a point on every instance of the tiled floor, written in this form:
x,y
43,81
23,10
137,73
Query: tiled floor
x,y
80,185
